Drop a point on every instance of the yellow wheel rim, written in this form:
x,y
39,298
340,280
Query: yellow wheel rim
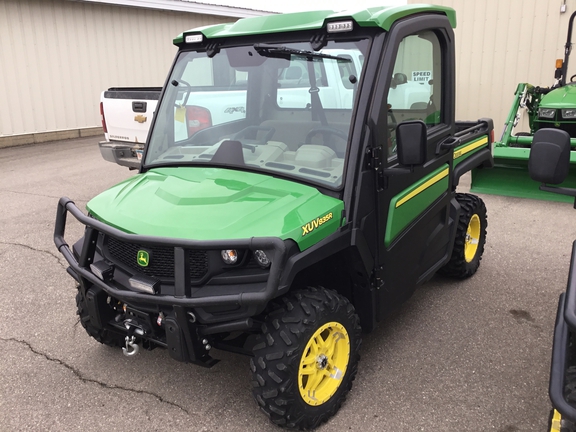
x,y
323,363
472,238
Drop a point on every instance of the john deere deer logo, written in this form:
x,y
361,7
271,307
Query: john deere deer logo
x,y
143,258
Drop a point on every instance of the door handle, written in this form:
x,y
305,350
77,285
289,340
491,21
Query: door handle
x,y
139,107
447,144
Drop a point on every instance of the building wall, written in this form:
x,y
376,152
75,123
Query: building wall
x,y
500,44
56,56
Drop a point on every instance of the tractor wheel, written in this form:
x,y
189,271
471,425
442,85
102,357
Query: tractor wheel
x,y
470,238
306,358
103,336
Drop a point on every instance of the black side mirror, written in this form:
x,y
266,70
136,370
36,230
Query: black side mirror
x,y
411,140
549,160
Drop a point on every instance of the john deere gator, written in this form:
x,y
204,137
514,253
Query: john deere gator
x,y
280,224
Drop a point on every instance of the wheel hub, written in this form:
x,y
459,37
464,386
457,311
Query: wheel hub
x,y
472,238
323,364
321,361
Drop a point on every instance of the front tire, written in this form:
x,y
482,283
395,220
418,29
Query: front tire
x,y
306,358
470,238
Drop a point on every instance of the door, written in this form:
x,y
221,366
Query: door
x,y
415,206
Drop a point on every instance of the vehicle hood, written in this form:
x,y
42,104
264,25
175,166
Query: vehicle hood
x,y
200,203
563,97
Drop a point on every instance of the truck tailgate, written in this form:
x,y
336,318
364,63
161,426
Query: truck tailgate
x,y
128,112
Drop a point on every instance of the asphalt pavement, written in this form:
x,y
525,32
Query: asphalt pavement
x,y
469,355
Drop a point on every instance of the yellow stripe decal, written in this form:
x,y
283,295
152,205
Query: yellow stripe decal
x,y
470,147
422,187
555,423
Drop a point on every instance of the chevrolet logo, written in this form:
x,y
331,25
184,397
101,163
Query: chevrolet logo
x,y
140,118
143,258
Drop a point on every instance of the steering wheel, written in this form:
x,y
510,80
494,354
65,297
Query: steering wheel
x,y
572,78
185,101
251,130
326,132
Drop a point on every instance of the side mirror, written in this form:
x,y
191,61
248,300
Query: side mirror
x,y
549,160
411,140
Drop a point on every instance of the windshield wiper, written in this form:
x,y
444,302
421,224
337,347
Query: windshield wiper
x,y
267,50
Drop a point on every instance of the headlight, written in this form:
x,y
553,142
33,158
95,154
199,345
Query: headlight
x,y
546,113
261,258
569,113
229,256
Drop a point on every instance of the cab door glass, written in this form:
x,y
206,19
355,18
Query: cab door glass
x,y
415,85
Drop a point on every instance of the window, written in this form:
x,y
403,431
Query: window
x,y
415,85
209,93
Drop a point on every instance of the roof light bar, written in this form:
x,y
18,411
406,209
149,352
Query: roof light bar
x,y
340,26
194,38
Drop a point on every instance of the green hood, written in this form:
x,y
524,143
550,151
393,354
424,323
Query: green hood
x,y
563,97
216,204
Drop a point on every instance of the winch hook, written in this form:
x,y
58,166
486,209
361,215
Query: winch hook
x,y
131,347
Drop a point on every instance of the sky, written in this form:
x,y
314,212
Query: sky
x,y
302,5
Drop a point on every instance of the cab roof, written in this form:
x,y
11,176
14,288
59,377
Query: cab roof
x,y
382,17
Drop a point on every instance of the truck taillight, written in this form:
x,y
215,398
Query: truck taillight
x,y
103,118
197,118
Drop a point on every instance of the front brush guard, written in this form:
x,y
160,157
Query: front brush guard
x,y
182,336
274,246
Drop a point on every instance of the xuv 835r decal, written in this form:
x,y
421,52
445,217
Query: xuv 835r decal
x,y
319,221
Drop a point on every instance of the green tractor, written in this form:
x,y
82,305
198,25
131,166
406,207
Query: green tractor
x,y
553,107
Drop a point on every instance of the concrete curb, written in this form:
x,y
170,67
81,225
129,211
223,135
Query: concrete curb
x,y
46,137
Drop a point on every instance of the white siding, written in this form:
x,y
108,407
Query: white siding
x,y
500,44
56,57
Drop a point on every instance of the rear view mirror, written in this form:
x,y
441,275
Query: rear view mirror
x,y
411,142
549,159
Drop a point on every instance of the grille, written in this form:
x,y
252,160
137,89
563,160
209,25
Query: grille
x,y
197,263
568,127
161,259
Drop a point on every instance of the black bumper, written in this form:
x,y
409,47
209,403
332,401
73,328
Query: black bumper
x,y
183,343
562,358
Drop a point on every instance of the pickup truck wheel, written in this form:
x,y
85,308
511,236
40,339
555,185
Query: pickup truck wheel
x,y
470,238
103,336
306,358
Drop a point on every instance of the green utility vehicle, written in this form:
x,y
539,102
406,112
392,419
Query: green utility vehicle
x,y
545,107
305,217
549,164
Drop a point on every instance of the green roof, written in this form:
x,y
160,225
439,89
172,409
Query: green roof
x,y
382,17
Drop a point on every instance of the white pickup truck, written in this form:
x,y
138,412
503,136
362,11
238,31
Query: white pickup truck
x,y
127,112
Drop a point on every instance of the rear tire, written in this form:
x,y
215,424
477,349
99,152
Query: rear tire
x,y
103,336
306,358
470,238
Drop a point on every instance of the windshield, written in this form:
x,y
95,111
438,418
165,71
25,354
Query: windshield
x,y
279,109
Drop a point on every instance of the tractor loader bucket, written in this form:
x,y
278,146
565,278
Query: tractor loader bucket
x,y
509,176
